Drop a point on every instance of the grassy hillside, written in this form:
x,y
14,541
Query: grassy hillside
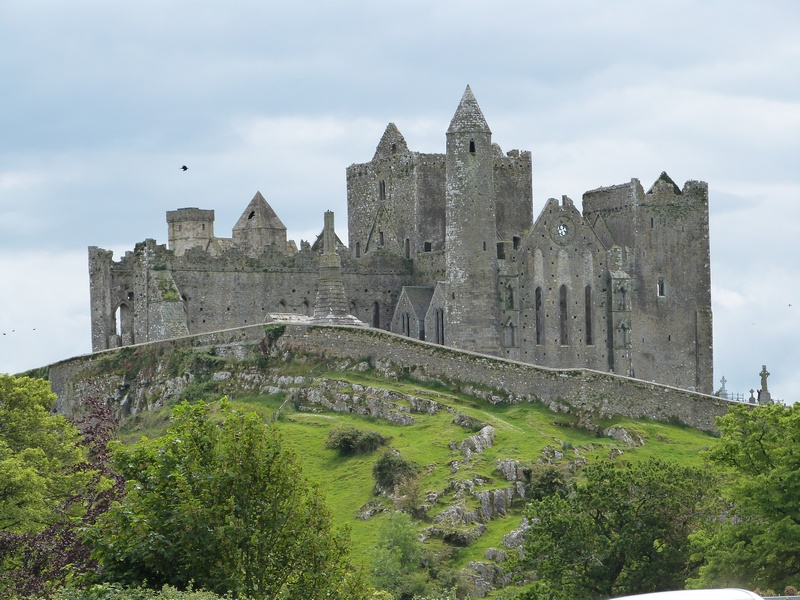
x,y
528,433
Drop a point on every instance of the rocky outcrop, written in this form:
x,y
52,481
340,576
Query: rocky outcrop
x,y
475,444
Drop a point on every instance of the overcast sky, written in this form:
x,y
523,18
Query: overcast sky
x,y
101,103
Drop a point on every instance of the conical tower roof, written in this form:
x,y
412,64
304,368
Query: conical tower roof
x,y
468,117
392,142
259,214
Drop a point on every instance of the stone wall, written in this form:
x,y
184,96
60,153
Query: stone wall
x,y
582,392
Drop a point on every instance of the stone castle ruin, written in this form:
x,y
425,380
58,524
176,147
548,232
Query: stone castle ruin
x,y
444,248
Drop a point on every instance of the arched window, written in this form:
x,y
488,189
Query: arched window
x,y
123,324
406,324
439,315
564,317
510,297
472,146
539,317
588,308
510,335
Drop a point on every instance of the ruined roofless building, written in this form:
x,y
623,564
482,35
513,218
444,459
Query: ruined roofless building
x,y
444,248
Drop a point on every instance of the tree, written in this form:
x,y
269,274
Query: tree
x,y
37,453
219,502
396,563
625,530
38,564
756,541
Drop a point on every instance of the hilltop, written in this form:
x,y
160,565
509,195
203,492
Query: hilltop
x,y
478,448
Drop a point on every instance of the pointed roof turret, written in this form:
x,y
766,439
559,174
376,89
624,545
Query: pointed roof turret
x,y
468,115
259,214
392,142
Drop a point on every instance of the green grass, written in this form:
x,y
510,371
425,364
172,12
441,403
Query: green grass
x,y
522,432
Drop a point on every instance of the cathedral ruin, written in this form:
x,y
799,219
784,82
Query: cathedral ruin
x,y
444,248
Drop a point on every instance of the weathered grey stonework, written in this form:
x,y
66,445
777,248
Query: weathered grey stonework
x,y
584,393
444,248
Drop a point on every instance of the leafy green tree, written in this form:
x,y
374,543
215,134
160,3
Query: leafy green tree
x,y
624,530
37,564
219,502
37,453
756,541
396,565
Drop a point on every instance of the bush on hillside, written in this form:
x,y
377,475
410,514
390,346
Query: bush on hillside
x,y
392,469
350,440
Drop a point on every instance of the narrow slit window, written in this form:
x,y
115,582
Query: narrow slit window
x,y
539,317
564,320
472,146
661,287
588,308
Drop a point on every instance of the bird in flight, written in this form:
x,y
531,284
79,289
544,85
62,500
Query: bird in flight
x,y
184,168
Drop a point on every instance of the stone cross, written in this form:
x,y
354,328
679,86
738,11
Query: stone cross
x,y
764,374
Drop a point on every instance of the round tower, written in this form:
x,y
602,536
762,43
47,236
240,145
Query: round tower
x,y
472,316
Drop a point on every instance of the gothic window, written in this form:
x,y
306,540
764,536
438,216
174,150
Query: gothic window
x,y
660,287
382,190
509,297
439,316
353,308
564,319
539,317
588,308
406,324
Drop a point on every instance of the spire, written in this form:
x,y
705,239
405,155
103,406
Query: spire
x,y
392,142
468,117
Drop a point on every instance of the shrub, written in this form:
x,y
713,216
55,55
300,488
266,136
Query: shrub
x,y
391,469
352,440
